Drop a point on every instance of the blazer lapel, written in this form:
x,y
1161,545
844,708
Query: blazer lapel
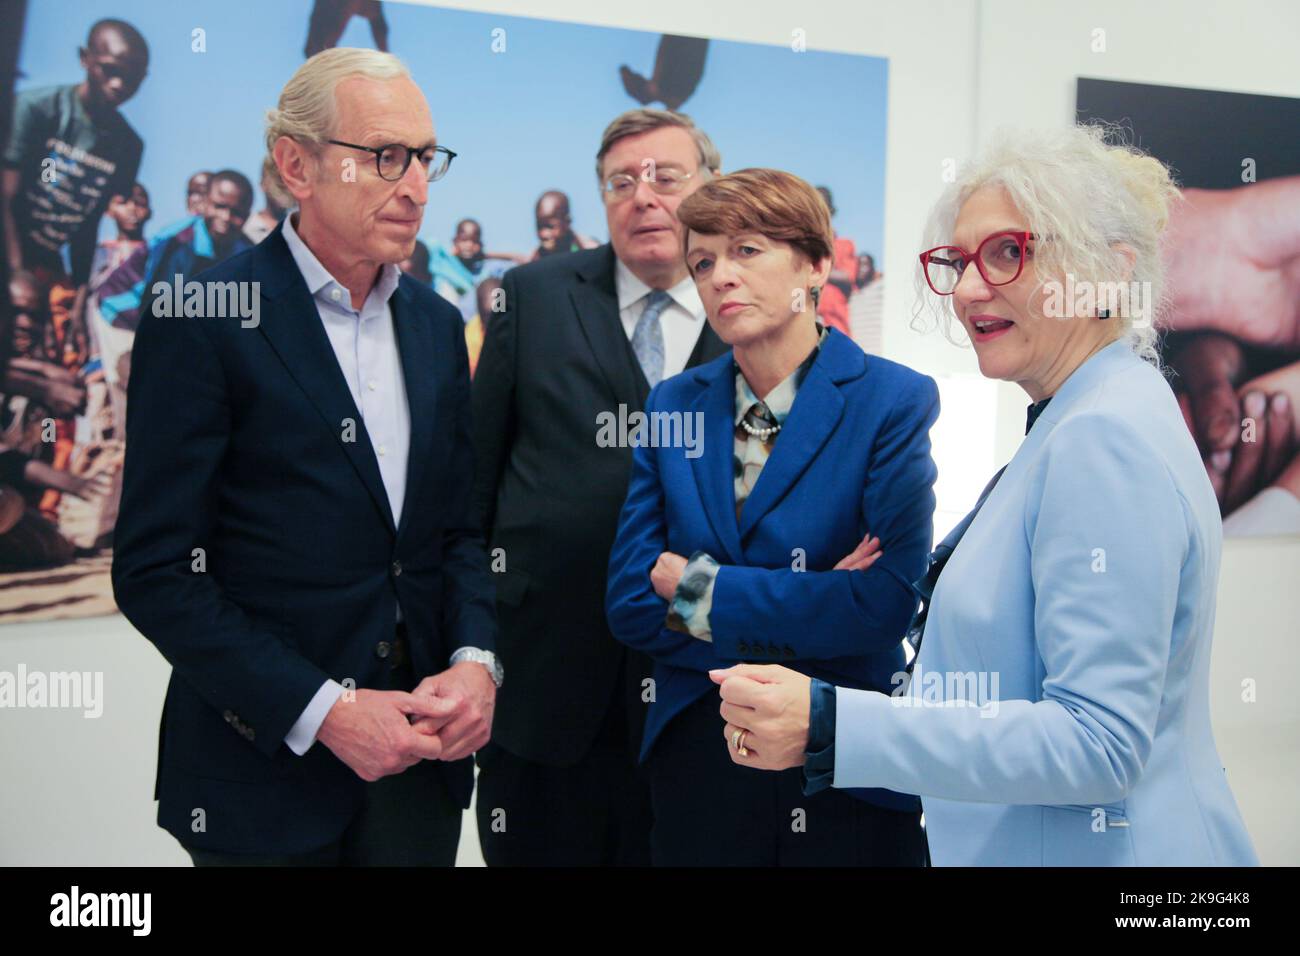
x,y
293,327
595,301
714,469
817,409
421,367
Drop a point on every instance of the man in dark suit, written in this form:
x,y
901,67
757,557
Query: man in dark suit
x,y
581,336
296,533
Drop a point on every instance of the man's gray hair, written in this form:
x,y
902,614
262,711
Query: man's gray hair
x,y
306,111
638,121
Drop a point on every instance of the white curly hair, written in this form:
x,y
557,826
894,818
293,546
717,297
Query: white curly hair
x,y
1088,190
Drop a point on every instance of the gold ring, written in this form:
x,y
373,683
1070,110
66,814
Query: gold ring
x,y
740,745
735,739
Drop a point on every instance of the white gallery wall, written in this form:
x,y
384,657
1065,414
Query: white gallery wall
x,y
79,791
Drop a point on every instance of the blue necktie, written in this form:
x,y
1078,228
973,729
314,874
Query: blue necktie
x,y
648,337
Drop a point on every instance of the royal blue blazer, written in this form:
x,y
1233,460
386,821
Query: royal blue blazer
x,y
853,456
1059,713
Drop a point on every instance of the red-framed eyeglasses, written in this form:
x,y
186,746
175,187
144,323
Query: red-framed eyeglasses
x,y
1000,258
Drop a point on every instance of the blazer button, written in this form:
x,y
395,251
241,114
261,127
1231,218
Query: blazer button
x,y
773,650
383,649
789,651
397,569
742,647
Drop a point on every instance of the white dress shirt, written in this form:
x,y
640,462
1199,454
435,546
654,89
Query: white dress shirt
x,y
365,345
682,320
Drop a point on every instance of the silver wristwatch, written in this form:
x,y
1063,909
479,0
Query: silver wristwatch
x,y
480,656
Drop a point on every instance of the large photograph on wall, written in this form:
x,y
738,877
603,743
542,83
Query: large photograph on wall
x,y
1232,330
136,145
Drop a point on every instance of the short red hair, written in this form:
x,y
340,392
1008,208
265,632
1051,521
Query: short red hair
x,y
770,202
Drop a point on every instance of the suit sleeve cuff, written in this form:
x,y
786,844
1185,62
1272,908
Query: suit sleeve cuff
x,y
303,733
819,760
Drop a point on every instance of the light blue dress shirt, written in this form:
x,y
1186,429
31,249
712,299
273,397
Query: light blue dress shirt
x,y
365,344
366,348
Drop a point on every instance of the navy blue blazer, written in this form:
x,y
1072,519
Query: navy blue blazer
x,y
236,444
852,457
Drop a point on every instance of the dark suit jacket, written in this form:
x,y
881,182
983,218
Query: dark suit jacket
x,y
236,445
852,457
550,496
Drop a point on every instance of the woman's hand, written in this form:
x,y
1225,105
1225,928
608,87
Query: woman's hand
x,y
861,557
666,573
769,704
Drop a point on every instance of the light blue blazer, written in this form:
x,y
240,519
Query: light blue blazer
x,y
1075,620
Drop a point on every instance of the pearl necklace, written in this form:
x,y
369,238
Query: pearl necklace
x,y
762,434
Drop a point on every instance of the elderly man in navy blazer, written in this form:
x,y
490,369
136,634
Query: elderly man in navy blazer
x,y
295,533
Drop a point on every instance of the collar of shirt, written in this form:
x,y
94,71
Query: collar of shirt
x,y
323,286
780,400
631,290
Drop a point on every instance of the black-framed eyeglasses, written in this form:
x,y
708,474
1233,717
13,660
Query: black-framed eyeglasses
x,y
392,160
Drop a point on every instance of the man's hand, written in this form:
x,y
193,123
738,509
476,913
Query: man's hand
x,y
470,695
372,733
771,705
666,573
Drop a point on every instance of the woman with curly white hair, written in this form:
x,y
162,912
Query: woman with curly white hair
x,y
1058,711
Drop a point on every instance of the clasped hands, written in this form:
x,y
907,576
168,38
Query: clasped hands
x,y
447,717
